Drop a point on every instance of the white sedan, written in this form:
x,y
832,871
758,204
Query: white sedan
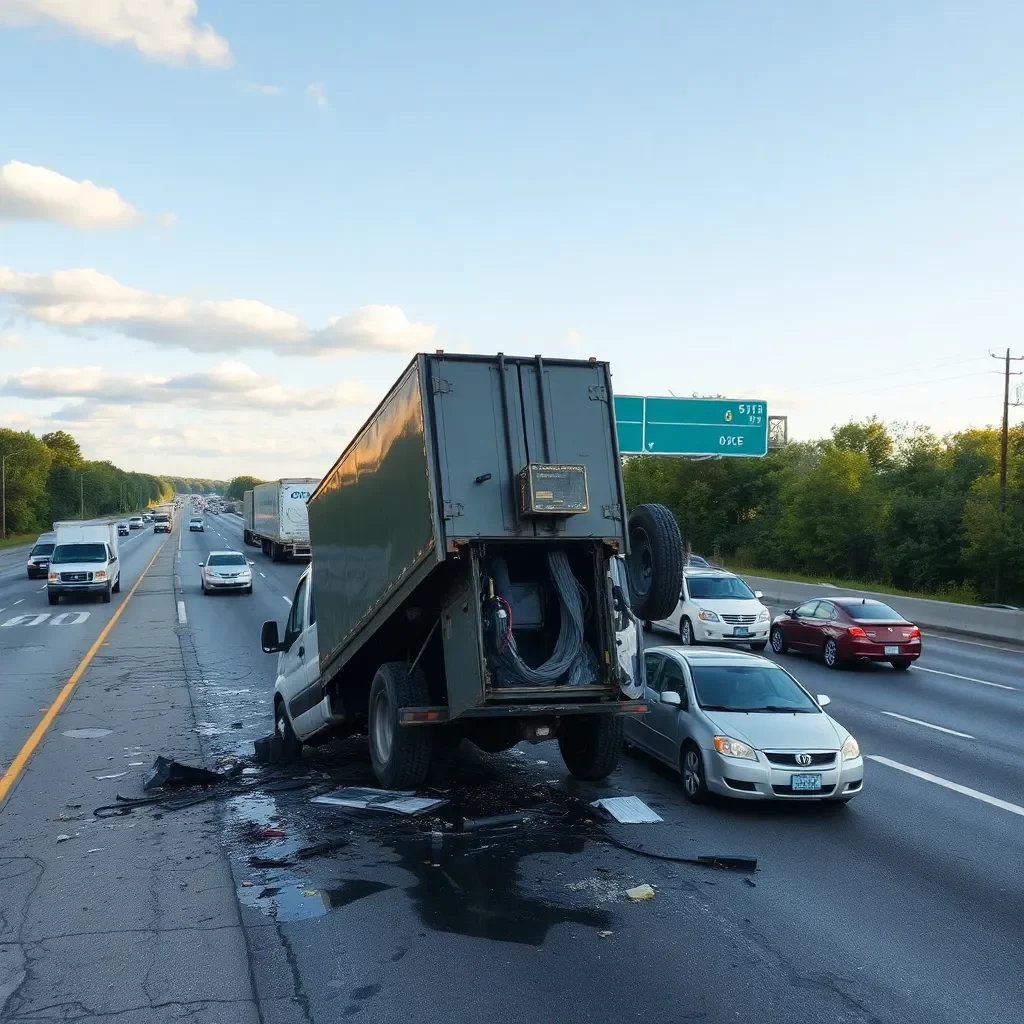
x,y
225,570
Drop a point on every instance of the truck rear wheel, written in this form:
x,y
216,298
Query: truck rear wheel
x,y
590,745
400,754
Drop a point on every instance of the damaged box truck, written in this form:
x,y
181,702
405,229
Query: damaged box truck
x,y
468,575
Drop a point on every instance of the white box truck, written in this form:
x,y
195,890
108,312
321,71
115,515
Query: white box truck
x,y
84,560
279,520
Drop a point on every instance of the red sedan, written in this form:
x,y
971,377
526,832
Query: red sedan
x,y
843,629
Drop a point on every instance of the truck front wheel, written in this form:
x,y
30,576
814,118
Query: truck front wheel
x,y
590,745
400,754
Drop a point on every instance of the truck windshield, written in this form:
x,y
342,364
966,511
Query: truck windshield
x,y
64,553
226,560
718,588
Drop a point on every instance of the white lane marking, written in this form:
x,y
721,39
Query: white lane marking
x,y
969,679
928,725
69,619
182,619
288,599
20,599
32,619
41,589
994,801
263,576
973,643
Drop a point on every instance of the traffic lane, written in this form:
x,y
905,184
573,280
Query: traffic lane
x,y
280,575
910,893
235,678
41,645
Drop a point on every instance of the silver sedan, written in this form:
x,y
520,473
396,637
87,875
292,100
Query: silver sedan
x,y
741,726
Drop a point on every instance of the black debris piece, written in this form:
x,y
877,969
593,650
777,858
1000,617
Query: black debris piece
x,y
268,750
169,774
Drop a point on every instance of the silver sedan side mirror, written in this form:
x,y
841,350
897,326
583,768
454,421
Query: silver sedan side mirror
x,y
758,594
824,700
201,564
671,697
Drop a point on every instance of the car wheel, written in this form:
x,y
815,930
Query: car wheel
x,y
117,585
202,586
53,598
686,634
691,768
831,653
779,645
106,594
248,589
901,664
759,646
291,745
400,756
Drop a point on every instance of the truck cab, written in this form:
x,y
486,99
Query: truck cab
x,y
84,561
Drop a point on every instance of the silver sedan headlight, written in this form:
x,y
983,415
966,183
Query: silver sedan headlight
x,y
851,749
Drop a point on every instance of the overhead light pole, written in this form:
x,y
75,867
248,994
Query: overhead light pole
x,y
3,486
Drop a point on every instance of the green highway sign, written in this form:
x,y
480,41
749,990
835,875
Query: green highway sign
x,y
691,426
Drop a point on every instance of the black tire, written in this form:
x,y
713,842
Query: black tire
x,y
779,645
691,771
117,585
759,645
248,589
291,745
590,745
655,562
275,552
53,598
106,594
648,625
901,664
400,754
686,638
830,653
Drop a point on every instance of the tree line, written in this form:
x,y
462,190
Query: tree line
x,y
47,480
873,502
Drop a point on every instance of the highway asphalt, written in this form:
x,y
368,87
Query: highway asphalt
x,y
903,906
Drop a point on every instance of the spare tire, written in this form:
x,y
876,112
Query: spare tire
x,y
655,562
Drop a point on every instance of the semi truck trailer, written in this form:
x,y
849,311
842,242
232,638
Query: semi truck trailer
x,y
472,571
275,517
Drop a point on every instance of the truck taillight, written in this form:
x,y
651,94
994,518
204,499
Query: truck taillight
x,y
855,631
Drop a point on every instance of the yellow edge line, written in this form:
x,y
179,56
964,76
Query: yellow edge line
x,y
14,769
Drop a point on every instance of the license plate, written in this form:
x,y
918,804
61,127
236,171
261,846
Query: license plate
x,y
892,650
806,783
740,631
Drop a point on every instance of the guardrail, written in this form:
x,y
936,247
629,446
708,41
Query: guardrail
x,y
972,620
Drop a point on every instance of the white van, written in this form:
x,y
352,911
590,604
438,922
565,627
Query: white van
x,y
84,560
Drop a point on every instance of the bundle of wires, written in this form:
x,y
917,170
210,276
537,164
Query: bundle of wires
x,y
571,657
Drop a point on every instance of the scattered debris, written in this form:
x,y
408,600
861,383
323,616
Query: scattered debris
x,y
62,838
310,892
497,821
628,810
604,934
236,725
95,849
113,775
166,772
750,882
268,749
728,861
640,892
269,832
250,771
366,799
247,885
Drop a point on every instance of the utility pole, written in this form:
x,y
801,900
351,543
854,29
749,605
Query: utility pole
x,y
1003,444
3,500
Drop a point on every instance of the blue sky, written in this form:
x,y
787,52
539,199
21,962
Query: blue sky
x,y
814,203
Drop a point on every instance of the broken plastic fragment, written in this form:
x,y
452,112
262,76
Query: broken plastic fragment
x,y
62,838
603,935
640,892
627,809
365,799
173,773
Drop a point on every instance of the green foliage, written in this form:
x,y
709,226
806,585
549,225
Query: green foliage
x,y
240,484
903,509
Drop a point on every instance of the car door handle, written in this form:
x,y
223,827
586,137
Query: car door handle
x,y
302,652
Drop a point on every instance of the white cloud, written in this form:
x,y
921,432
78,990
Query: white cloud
x,y
167,220
8,339
316,93
230,385
29,192
261,89
163,30
82,298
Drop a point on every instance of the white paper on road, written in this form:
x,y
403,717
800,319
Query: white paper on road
x,y
365,799
630,810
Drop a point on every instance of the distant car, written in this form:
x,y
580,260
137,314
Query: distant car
x,y
38,563
123,529
136,523
698,562
739,725
717,607
196,523
146,517
845,629
162,523
213,511
225,570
